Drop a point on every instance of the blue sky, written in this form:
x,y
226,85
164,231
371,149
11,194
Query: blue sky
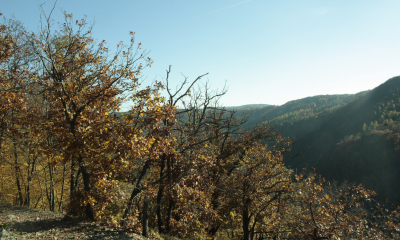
x,y
266,51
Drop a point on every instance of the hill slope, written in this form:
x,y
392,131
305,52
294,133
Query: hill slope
x,y
296,110
345,137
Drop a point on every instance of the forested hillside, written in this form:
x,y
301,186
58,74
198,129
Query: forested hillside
x,y
345,137
295,110
176,164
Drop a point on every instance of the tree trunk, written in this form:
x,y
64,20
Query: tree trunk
x,y
87,187
27,201
51,188
72,186
31,168
135,191
17,174
60,204
41,189
145,223
159,215
246,222
159,197
253,229
171,202
171,205
214,202
245,214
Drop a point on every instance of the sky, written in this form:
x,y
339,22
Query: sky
x,y
265,51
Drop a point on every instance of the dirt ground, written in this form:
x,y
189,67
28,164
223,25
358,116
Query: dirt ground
x,y
26,223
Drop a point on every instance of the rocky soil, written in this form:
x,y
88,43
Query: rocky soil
x,y
26,223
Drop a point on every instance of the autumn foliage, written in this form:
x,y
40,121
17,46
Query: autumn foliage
x,y
177,163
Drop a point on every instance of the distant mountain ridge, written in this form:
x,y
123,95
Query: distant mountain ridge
x,y
248,106
297,109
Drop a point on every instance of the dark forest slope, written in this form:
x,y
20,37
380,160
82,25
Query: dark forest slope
x,y
345,137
